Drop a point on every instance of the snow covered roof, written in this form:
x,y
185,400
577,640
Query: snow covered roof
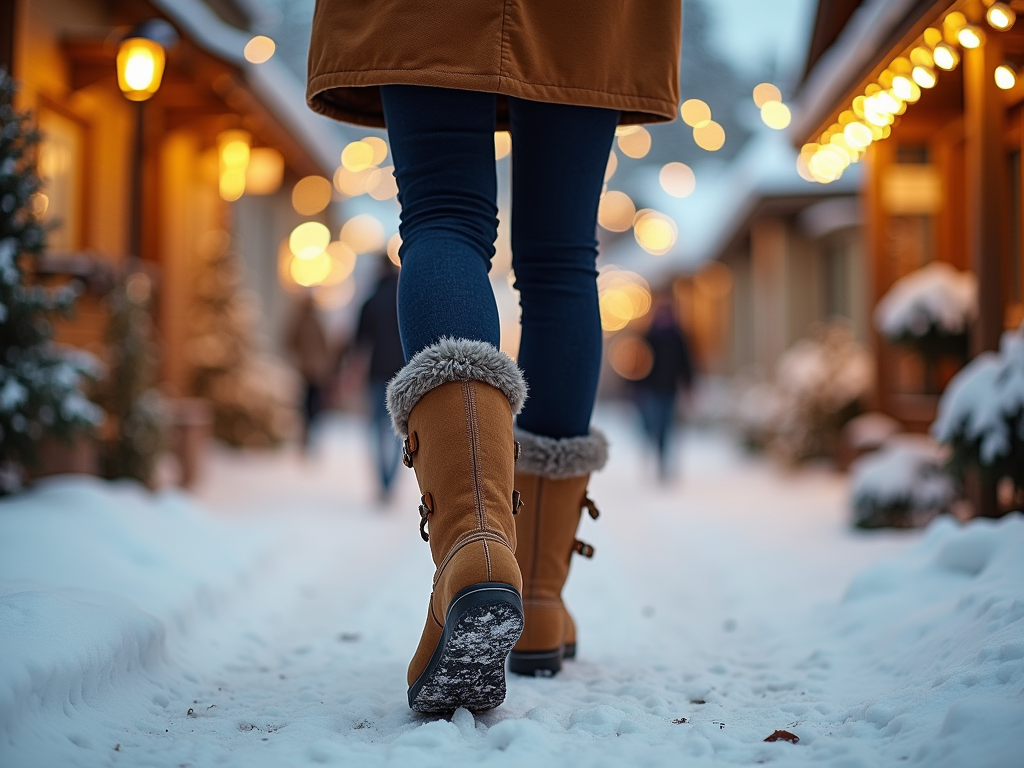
x,y
277,88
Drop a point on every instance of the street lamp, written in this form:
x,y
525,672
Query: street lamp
x,y
141,56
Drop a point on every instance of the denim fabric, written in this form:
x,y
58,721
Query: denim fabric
x,y
442,142
385,441
657,410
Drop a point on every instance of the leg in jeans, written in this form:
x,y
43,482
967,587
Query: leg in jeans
x,y
558,161
384,437
442,141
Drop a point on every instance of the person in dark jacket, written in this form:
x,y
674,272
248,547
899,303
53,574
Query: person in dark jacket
x,y
377,334
671,369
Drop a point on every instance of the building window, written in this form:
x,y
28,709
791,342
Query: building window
x,y
61,156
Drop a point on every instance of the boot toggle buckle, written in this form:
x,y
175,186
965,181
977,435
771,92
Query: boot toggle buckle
x,y
426,510
517,502
581,547
591,507
409,447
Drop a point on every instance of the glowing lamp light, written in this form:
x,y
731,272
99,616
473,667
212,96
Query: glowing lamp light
x,y
709,136
970,36
379,147
357,156
694,112
906,89
233,153
766,92
924,76
635,144
858,135
1006,78
502,144
140,67
308,240
265,171
887,101
946,57
311,271
655,232
363,233
259,49
677,179
394,245
776,115
615,212
311,195
613,164
1000,16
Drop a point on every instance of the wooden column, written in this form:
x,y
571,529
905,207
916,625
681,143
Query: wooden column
x,y
770,296
987,188
987,208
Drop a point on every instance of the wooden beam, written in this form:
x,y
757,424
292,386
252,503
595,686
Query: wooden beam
x,y
7,34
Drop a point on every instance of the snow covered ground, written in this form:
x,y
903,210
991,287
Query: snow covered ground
x,y
269,623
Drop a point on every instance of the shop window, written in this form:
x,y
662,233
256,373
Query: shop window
x,y
61,157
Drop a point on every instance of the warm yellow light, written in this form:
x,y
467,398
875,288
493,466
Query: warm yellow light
x,y
311,195
635,144
924,76
259,49
343,261
394,244
709,136
776,115
613,163
858,135
626,130
265,171
946,56
655,232
233,155
311,271
970,36
766,92
380,148
874,113
887,102
803,169
677,179
694,112
1006,78
381,183
140,68
905,88
615,211
922,57
351,183
309,239
952,23
932,37
363,233
357,156
630,357
502,144
1001,16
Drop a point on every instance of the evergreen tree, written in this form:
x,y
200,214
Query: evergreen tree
x,y
253,395
40,383
138,410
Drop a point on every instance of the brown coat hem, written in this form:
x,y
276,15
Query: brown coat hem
x,y
634,109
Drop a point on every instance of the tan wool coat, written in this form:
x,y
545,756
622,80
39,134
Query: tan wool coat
x,y
616,54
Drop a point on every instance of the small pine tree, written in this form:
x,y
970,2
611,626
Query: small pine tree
x,y
138,410
40,383
253,395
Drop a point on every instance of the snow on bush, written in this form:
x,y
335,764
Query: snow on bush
x,y
936,298
902,485
820,384
981,413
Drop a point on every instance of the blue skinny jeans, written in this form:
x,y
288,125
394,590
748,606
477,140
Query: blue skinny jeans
x,y
442,142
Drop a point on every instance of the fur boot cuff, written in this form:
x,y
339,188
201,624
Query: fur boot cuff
x,y
452,360
557,459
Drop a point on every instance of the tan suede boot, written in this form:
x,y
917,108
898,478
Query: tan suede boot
x,y
551,478
454,403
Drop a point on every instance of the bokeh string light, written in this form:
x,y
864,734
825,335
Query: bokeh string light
x,y
872,114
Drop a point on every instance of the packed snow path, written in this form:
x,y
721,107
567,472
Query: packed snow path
x,y
715,613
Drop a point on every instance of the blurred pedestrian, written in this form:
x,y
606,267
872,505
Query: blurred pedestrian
x,y
377,335
444,76
307,342
672,369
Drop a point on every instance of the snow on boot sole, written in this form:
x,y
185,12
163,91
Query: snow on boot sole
x,y
467,669
537,663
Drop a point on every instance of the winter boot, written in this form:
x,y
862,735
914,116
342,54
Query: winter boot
x,y
551,477
453,404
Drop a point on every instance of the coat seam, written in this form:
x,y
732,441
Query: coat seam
x,y
501,49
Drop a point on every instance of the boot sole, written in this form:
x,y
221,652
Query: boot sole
x,y
536,663
467,669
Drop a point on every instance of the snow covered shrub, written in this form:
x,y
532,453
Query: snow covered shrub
x,y
759,406
253,394
823,382
40,382
902,485
981,416
930,310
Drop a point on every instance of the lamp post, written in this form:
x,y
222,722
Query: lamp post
x,y
141,57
